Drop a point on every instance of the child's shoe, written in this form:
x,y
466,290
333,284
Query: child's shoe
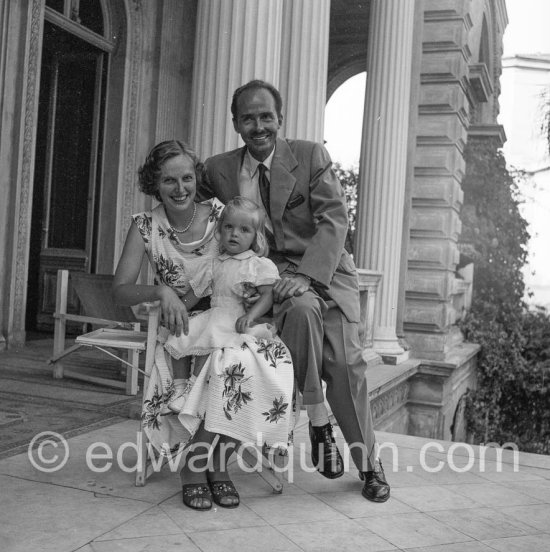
x,y
182,388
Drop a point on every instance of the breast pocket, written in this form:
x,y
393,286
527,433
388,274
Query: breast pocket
x,y
293,202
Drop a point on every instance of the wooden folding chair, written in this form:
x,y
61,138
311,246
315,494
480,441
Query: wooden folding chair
x,y
146,466
116,328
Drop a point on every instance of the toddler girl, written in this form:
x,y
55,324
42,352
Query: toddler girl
x,y
247,382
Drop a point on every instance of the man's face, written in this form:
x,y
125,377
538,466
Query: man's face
x,y
257,122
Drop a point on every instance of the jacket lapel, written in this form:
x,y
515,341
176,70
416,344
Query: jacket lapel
x,y
281,185
229,173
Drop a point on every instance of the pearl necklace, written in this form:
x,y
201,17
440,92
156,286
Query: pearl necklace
x,y
183,230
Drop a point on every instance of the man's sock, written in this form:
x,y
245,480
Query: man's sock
x,y
317,414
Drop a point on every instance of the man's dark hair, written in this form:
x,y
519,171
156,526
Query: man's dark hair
x,y
256,85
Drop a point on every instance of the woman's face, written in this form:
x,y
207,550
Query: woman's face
x,y
177,184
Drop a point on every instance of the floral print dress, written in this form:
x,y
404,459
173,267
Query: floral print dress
x,y
173,264
245,388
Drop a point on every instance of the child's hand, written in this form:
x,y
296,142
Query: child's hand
x,y
249,293
243,323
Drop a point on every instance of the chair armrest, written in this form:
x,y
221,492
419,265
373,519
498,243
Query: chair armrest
x,y
92,320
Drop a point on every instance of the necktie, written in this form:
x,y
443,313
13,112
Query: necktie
x,y
263,184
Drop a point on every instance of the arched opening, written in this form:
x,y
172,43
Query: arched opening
x,y
69,150
344,121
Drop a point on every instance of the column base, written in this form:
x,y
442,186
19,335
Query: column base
x,y
390,351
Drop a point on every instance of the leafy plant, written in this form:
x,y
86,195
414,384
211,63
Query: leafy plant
x,y
349,179
511,402
512,399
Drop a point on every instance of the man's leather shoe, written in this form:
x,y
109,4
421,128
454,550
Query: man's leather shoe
x,y
376,487
324,452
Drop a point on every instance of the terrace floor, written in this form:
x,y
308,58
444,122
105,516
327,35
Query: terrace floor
x,y
446,497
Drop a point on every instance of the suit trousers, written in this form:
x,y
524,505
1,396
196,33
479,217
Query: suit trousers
x,y
325,346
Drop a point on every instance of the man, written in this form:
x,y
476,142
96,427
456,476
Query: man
x,y
318,294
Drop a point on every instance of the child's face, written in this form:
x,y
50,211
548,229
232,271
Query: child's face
x,y
237,232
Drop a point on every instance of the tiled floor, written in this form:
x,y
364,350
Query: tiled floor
x,y
442,501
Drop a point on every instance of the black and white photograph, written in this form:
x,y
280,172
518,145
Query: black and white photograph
x,y
276,275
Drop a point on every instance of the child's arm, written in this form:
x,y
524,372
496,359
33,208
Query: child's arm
x,y
260,307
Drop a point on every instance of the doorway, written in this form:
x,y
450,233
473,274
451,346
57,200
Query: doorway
x,y
67,177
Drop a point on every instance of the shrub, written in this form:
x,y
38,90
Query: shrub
x,y
349,179
511,402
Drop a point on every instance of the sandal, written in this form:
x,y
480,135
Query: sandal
x,y
224,489
191,491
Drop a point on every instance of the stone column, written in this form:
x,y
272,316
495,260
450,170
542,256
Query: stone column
x,y
171,117
236,41
304,65
383,163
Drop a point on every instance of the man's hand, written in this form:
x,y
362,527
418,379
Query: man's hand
x,y
291,285
243,323
173,312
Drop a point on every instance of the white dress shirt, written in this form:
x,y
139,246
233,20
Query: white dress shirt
x,y
248,181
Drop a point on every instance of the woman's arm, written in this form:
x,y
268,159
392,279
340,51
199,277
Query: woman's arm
x,y
260,307
127,292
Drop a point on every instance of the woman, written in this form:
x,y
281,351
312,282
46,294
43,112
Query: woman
x,y
176,236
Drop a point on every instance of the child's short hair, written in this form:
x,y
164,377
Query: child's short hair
x,y
240,203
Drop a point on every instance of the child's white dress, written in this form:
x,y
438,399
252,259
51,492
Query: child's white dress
x,y
245,389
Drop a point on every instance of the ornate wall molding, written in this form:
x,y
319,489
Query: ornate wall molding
x,y
25,188
134,49
390,401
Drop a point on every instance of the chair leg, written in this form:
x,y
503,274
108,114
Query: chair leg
x,y
132,373
266,471
57,370
141,469
60,325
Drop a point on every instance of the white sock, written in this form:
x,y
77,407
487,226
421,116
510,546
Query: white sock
x,y
317,414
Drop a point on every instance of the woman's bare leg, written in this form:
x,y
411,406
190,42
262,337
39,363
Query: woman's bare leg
x,y
217,474
196,464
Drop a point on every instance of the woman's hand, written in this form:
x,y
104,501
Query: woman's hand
x,y
173,312
243,323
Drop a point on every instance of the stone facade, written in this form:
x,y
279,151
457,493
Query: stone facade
x,y
458,77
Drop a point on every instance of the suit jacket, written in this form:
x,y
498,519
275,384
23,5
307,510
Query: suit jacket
x,y
308,214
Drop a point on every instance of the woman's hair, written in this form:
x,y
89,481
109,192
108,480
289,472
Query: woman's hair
x,y
150,171
239,203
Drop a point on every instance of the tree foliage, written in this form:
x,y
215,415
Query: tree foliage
x,y
349,178
512,400
511,403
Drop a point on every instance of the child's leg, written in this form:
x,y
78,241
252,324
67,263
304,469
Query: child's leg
x,y
181,368
200,361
